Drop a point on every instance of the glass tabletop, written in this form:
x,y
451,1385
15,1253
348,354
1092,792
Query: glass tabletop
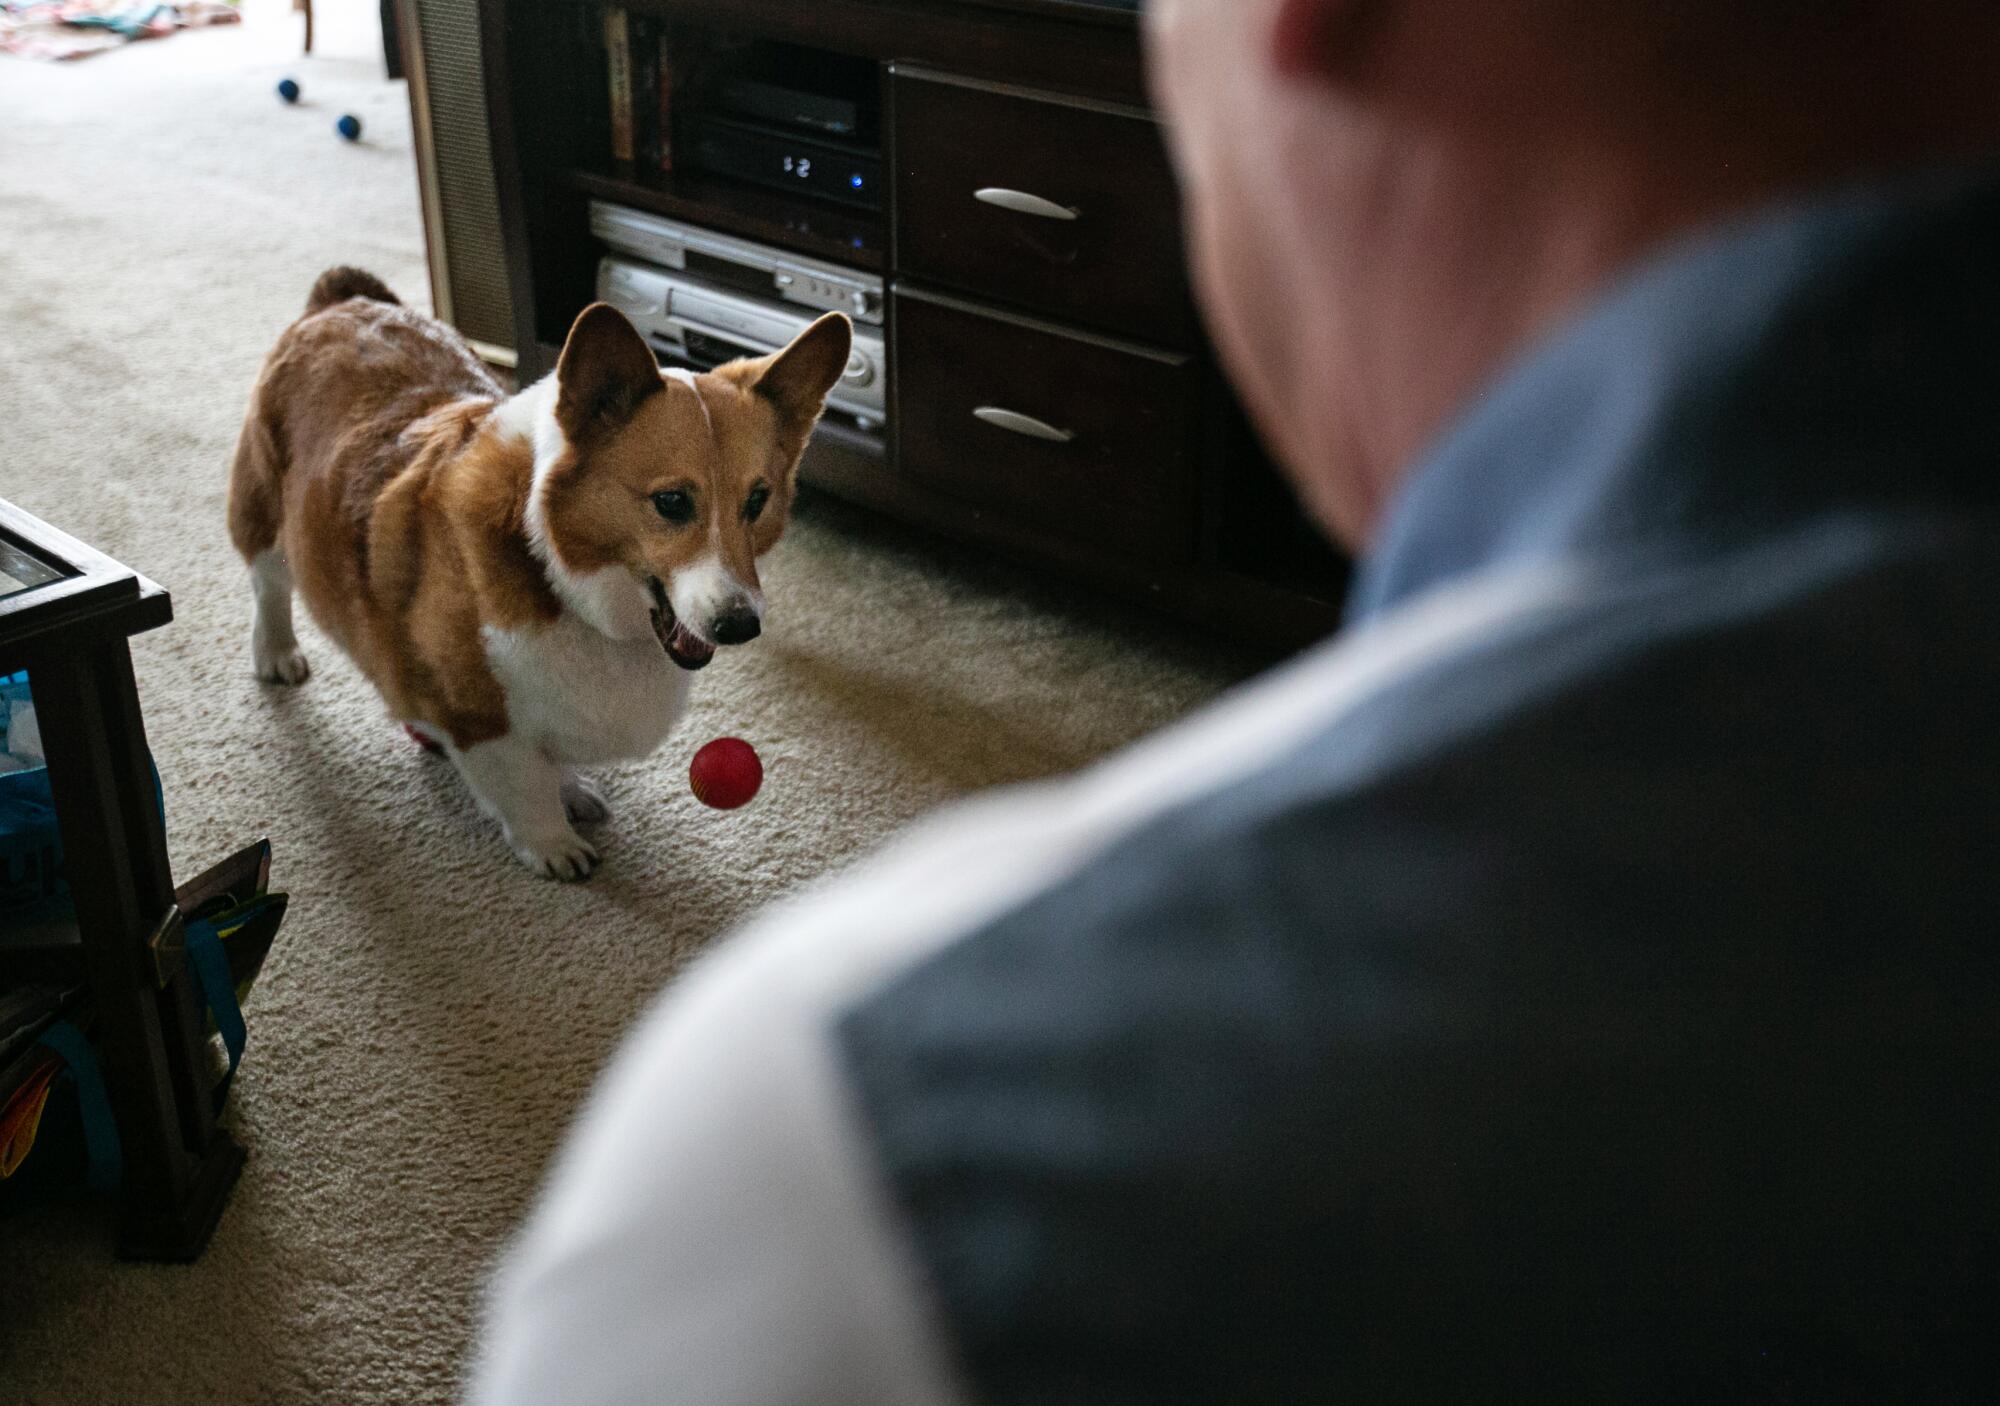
x,y
21,570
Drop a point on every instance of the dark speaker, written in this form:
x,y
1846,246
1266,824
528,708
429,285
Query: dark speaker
x,y
441,56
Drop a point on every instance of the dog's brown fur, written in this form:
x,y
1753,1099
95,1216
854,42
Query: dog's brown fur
x,y
371,456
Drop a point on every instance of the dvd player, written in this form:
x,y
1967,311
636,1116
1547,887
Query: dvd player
x,y
752,268
696,324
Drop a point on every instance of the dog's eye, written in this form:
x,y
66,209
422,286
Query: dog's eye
x,y
674,504
754,508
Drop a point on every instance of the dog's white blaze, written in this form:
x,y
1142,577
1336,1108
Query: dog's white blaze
x,y
686,378
704,591
701,593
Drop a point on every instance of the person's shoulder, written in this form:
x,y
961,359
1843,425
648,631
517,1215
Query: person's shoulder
x,y
1680,721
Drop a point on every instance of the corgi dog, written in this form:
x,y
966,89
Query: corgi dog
x,y
528,580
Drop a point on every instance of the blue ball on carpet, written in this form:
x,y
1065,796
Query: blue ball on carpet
x,y
349,126
288,89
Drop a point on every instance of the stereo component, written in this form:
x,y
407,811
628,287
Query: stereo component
x,y
695,324
756,269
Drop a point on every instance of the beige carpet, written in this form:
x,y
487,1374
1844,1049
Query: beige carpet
x,y
433,1013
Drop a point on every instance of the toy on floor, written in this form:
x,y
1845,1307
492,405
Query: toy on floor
x,y
349,126
725,773
288,89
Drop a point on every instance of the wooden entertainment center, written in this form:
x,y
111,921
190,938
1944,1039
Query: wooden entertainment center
x,y
1050,393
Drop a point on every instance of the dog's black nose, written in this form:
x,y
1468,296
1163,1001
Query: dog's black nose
x,y
737,627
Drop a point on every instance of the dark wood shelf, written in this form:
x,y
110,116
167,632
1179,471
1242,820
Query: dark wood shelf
x,y
1035,95
1073,11
1069,11
851,440
855,238
1078,48
1277,619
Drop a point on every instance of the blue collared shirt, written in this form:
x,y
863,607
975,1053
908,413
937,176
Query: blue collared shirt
x,y
1836,356
1609,1010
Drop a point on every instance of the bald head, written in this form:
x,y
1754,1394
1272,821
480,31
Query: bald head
x,y
1387,199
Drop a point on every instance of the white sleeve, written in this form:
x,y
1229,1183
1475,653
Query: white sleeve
x,y
714,1235
716,1231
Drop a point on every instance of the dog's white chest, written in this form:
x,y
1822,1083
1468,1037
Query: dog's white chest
x,y
584,697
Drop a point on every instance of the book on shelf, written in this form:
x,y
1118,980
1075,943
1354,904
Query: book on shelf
x,y
618,68
663,59
645,37
643,62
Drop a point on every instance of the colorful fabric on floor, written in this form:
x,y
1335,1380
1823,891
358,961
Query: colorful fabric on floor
x,y
21,1114
74,29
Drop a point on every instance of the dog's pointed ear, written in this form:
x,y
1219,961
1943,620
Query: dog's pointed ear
x,y
605,374
797,378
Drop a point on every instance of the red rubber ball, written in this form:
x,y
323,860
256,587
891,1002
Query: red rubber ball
x,y
725,773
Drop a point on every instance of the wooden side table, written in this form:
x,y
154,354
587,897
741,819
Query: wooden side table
x,y
71,632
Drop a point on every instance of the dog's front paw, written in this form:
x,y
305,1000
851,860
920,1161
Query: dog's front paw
x,y
583,801
285,666
565,856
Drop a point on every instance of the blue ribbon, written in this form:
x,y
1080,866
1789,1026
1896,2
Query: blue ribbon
x,y
210,962
106,1166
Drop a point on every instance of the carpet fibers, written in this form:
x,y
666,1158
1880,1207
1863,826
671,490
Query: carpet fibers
x,y
432,1013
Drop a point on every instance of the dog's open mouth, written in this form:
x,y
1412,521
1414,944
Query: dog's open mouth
x,y
682,645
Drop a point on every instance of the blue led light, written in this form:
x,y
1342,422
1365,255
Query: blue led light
x,y
854,181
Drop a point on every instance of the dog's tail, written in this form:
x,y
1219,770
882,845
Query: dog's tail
x,y
340,283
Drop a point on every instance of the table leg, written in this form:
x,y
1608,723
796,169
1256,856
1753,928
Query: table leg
x,y
179,1167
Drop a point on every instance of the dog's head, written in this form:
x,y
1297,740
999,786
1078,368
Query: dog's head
x,y
655,492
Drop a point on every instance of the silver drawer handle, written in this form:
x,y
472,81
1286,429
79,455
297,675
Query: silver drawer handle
x,y
1022,203
1028,425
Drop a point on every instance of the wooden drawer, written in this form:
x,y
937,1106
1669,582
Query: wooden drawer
x,y
973,162
1080,437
